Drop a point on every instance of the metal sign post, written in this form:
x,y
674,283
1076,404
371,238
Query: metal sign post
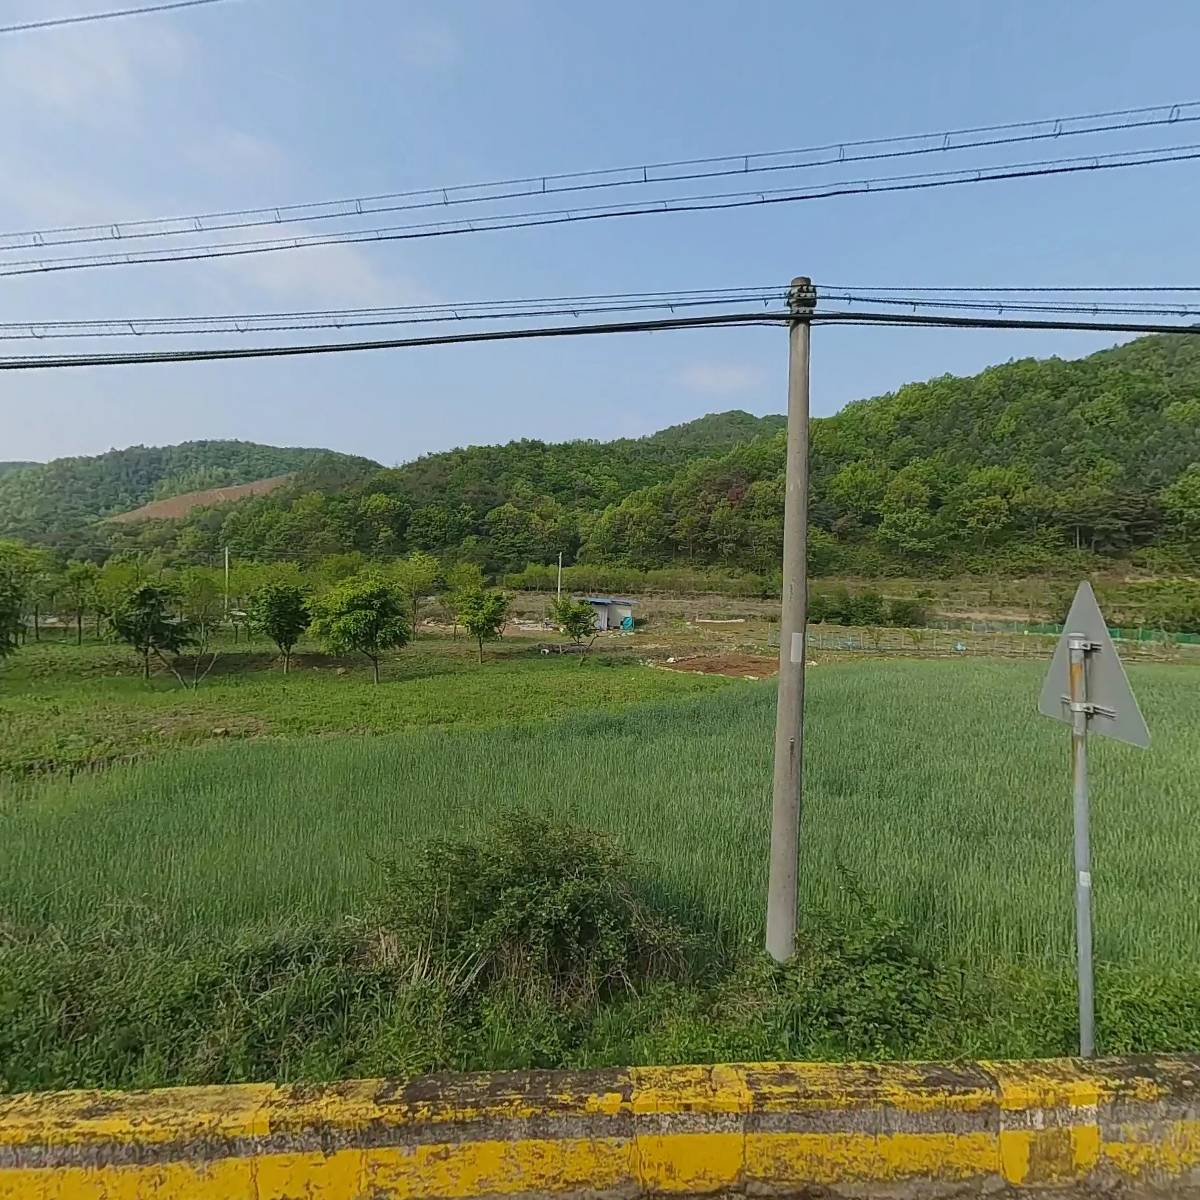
x,y
1087,688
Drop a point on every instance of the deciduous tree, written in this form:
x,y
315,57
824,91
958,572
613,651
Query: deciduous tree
x,y
79,587
362,615
417,577
12,602
576,619
483,613
280,611
147,619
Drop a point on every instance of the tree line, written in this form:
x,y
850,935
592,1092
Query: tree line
x,y
1026,468
171,616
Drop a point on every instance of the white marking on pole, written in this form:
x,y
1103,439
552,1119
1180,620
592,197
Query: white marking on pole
x,y
797,647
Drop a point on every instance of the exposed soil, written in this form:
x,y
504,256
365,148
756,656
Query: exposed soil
x,y
732,666
179,506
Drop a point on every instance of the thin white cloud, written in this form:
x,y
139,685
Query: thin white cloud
x,y
94,76
721,379
99,84
338,274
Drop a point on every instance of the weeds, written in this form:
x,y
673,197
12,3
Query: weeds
x,y
546,951
536,905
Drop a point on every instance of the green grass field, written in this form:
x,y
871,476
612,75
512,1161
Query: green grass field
x,y
67,708
931,785
204,912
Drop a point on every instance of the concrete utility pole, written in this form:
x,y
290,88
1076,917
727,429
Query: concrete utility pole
x,y
226,583
789,715
560,574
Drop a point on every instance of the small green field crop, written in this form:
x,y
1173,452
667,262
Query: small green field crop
x,y
934,787
936,799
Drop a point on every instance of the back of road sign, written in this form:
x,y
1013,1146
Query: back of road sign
x,y
1116,713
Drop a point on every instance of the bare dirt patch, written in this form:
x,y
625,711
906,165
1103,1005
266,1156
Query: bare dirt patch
x,y
198,727
175,507
732,666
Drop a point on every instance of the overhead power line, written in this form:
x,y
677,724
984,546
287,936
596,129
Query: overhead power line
x,y
1003,299
939,321
1004,303
994,289
713,202
488,335
112,14
470,310
906,146
715,320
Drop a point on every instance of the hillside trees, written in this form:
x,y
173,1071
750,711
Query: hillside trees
x,y
53,503
1181,503
1010,470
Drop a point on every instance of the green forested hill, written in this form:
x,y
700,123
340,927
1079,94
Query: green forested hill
x,y
1010,470
577,473
501,505
5,467
54,502
1002,470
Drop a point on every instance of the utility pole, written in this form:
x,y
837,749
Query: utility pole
x,y
227,584
782,894
560,574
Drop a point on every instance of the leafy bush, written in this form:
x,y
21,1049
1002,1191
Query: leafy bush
x,y
866,608
907,614
549,907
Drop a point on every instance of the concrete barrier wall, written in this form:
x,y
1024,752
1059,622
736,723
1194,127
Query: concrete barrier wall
x,y
1131,1126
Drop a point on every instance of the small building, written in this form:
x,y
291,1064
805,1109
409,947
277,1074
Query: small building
x,y
612,612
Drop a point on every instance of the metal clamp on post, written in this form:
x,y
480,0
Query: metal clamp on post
x,y
802,296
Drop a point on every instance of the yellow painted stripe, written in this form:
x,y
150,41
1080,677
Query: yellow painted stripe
x,y
824,1159
646,1131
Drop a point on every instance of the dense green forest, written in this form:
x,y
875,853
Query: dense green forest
x,y
1025,467
1003,471
53,503
501,506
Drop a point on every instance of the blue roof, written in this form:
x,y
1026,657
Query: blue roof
x,y
607,600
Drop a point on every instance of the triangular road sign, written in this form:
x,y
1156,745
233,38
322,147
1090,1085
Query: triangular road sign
x,y
1116,714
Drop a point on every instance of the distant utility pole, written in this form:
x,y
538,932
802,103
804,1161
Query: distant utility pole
x,y
560,574
226,583
782,896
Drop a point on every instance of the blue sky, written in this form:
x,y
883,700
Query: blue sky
x,y
264,101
